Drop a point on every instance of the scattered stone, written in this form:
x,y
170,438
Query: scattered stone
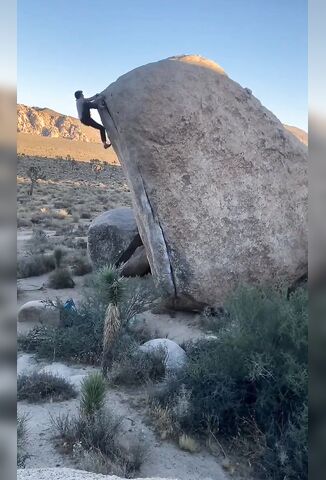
x,y
39,311
176,357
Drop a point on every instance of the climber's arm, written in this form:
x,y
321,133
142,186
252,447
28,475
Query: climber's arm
x,y
91,99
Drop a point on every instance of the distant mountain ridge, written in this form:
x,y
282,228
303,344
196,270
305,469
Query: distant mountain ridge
x,y
299,133
48,123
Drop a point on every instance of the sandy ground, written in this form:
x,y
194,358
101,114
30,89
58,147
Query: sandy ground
x,y
163,459
66,474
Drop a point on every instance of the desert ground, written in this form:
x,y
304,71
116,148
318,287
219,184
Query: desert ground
x,y
47,147
57,215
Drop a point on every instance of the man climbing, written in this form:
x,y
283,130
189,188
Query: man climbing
x,y
84,106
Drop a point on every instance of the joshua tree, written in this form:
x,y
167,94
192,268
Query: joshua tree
x,y
97,167
34,173
72,161
57,254
111,285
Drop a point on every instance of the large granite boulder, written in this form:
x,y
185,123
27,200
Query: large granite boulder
x,y
110,234
219,186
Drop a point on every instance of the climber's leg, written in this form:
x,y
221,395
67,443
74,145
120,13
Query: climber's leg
x,y
99,127
91,123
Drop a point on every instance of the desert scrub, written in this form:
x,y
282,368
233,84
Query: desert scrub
x,y
81,265
134,367
38,242
22,440
253,373
34,265
91,436
80,337
61,278
44,387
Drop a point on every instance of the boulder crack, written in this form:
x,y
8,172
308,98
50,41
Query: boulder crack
x,y
155,220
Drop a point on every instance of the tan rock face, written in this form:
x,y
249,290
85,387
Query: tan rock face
x,y
47,123
219,186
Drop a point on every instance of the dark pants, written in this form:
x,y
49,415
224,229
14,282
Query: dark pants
x,y
91,123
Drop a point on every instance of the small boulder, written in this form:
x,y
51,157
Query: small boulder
x,y
176,357
137,265
39,311
110,234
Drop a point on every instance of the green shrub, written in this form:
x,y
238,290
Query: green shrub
x,y
136,367
81,266
92,393
34,265
94,442
44,387
80,337
85,215
38,243
61,278
256,369
22,439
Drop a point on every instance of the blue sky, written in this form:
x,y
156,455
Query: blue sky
x,y
65,45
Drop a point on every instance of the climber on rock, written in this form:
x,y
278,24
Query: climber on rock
x,y
84,106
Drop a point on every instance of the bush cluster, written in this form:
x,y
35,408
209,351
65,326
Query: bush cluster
x,y
34,265
134,367
60,278
92,435
80,337
44,387
251,380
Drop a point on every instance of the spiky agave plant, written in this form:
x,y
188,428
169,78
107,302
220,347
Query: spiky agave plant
x,y
111,289
93,390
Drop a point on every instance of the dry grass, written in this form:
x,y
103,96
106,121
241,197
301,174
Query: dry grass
x,y
189,444
163,421
48,147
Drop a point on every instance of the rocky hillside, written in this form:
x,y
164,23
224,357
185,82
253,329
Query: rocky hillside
x,y
48,123
297,132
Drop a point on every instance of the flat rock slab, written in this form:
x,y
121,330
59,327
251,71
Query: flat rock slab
x,y
67,474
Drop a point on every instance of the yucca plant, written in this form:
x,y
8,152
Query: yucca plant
x,y
57,255
111,286
92,394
